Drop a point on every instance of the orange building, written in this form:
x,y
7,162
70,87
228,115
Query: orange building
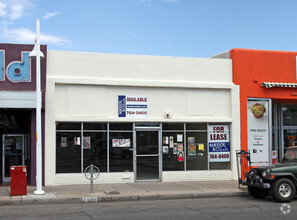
x,y
268,101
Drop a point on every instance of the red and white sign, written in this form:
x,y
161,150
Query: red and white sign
x,y
274,157
218,143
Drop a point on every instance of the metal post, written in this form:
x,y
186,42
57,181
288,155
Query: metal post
x,y
91,173
38,190
92,170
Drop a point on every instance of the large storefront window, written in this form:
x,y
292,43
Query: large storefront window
x,y
289,114
91,143
120,151
186,146
173,150
219,147
197,157
284,129
109,146
68,152
95,150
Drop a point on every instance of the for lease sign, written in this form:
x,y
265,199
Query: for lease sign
x,y
132,106
218,143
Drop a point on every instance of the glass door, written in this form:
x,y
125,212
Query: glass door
x,y
12,153
147,155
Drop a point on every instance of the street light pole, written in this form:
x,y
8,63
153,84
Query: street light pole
x,y
38,190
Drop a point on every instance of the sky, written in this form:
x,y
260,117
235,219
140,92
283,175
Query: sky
x,y
179,28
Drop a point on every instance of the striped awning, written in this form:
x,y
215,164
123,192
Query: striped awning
x,y
269,85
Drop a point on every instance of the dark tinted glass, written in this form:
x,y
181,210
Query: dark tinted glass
x,y
147,124
290,114
170,154
95,150
120,126
120,151
95,126
68,152
196,126
147,142
173,126
147,168
68,126
197,151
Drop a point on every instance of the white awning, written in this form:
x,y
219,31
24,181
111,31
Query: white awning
x,y
278,84
17,99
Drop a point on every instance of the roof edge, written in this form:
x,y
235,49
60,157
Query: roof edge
x,y
223,55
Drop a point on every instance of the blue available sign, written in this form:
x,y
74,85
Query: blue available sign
x,y
219,147
122,106
132,106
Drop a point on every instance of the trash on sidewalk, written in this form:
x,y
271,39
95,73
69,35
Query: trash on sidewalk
x,y
111,192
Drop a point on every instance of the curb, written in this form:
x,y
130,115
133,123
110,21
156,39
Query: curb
x,y
108,199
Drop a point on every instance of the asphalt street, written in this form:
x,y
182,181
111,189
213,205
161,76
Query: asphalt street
x,y
206,208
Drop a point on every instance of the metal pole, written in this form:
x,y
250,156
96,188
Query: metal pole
x,y
92,170
39,190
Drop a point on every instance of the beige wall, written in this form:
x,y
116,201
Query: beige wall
x,y
133,67
85,87
101,102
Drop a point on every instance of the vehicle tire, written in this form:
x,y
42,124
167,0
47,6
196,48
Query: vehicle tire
x,y
283,190
258,192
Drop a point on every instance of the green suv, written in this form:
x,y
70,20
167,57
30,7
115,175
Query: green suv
x,y
280,179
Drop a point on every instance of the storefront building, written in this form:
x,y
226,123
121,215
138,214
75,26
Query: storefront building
x,y
17,108
140,118
268,101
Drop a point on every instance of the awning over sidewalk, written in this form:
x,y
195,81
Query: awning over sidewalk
x,y
269,85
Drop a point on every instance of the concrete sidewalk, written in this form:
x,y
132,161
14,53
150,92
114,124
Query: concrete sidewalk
x,y
141,191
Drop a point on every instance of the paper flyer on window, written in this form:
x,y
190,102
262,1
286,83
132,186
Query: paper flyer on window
x,y
179,138
171,142
192,149
63,141
121,143
165,149
87,142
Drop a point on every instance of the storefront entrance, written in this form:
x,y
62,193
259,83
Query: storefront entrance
x,y
15,141
12,153
284,128
147,161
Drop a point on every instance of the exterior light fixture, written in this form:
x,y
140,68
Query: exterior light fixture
x,y
33,53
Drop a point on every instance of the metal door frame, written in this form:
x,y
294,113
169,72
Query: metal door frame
x,y
135,129
7,179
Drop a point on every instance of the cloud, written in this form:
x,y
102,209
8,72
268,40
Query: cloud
x,y
49,15
13,10
3,12
16,11
24,35
51,39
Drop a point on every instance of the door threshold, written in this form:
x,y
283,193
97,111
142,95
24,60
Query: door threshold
x,y
155,180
